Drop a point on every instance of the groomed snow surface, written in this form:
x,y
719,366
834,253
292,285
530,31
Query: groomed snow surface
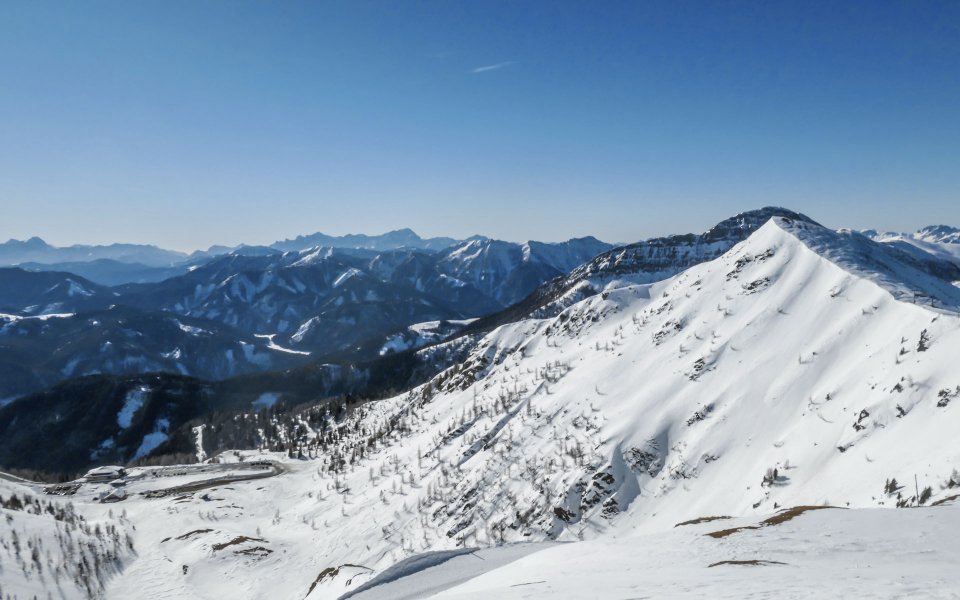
x,y
566,450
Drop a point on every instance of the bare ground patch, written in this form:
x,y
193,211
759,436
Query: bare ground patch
x,y
331,573
781,517
747,563
237,540
260,551
190,534
699,520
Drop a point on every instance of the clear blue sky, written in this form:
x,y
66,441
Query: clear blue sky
x,y
191,123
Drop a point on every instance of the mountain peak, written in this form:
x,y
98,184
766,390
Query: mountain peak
x,y
34,243
941,234
751,220
404,231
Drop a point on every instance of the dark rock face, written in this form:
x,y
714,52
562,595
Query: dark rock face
x,y
672,254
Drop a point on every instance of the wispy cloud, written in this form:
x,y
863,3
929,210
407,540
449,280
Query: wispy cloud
x,y
488,68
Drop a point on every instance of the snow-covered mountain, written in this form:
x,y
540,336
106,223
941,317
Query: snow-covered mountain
x,y
321,300
941,241
347,305
422,334
35,250
508,272
49,292
642,262
15,252
938,234
799,367
290,293
632,410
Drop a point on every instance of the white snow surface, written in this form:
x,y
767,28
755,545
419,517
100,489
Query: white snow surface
x,y
131,404
313,255
274,346
153,439
431,572
304,329
198,441
266,400
190,329
11,318
791,371
866,553
343,277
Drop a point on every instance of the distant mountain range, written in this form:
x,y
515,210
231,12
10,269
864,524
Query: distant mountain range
x,y
935,234
36,252
260,308
117,264
400,238
940,240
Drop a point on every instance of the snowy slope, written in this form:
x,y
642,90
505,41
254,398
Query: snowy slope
x,y
792,370
821,554
617,418
47,546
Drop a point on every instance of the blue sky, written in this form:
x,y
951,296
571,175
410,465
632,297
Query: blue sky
x,y
191,123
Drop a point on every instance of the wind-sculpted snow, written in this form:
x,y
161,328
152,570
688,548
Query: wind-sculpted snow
x,y
787,372
910,276
426,574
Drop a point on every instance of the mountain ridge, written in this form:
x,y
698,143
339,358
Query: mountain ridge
x,y
791,370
